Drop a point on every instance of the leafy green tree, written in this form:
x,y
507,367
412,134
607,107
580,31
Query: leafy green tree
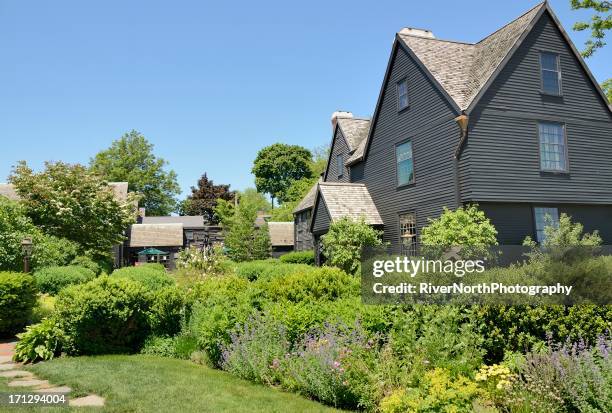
x,y
284,213
243,241
607,88
203,199
277,166
252,197
465,227
71,202
600,23
131,159
345,240
47,250
320,155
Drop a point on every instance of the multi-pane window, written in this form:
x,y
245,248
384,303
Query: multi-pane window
x,y
402,94
408,238
553,151
545,217
551,73
340,165
405,166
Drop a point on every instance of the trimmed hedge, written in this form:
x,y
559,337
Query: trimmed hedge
x,y
299,257
106,315
17,299
152,276
255,270
51,280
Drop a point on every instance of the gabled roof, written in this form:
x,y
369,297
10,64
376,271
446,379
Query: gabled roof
x,y
308,201
281,233
354,130
194,221
348,200
156,235
463,69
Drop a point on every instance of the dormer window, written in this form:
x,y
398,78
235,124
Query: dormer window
x,y
551,73
402,94
340,165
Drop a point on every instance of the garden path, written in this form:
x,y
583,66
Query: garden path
x,y
29,381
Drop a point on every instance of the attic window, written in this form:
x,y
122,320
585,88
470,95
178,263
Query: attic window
x,y
340,165
402,94
551,73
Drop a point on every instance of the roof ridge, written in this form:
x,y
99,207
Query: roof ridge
x,y
342,183
510,22
435,39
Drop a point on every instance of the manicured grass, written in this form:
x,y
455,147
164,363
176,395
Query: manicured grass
x,y
141,383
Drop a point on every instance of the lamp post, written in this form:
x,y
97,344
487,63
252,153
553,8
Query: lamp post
x,y
26,248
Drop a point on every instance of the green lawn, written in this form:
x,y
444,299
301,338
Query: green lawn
x,y
153,384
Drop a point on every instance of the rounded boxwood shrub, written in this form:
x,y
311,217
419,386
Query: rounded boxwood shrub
x,y
86,262
51,280
299,257
168,308
152,276
17,299
265,269
106,315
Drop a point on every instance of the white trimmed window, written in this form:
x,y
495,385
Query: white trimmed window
x,y
544,217
551,73
553,147
402,94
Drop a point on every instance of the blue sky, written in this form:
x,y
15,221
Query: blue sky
x,y
209,83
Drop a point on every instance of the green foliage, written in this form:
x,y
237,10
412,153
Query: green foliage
x,y
438,392
244,241
600,23
270,268
203,199
51,280
524,328
168,310
466,227
606,86
87,262
181,346
318,284
277,166
298,189
17,299
151,276
14,227
41,341
299,257
220,304
45,304
131,159
68,201
345,240
284,213
106,315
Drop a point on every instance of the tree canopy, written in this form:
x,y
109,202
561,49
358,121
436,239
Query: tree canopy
x,y
277,166
203,199
131,159
600,23
71,202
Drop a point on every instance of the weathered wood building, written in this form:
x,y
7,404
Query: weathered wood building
x,y
516,123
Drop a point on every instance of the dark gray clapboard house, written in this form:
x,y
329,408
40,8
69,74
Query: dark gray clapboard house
x,y
516,123
301,220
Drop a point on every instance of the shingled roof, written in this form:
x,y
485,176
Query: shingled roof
x,y
156,235
281,233
354,130
349,200
463,69
308,201
193,221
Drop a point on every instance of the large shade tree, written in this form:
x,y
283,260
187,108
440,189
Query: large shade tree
x,y
277,166
71,202
203,199
131,159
